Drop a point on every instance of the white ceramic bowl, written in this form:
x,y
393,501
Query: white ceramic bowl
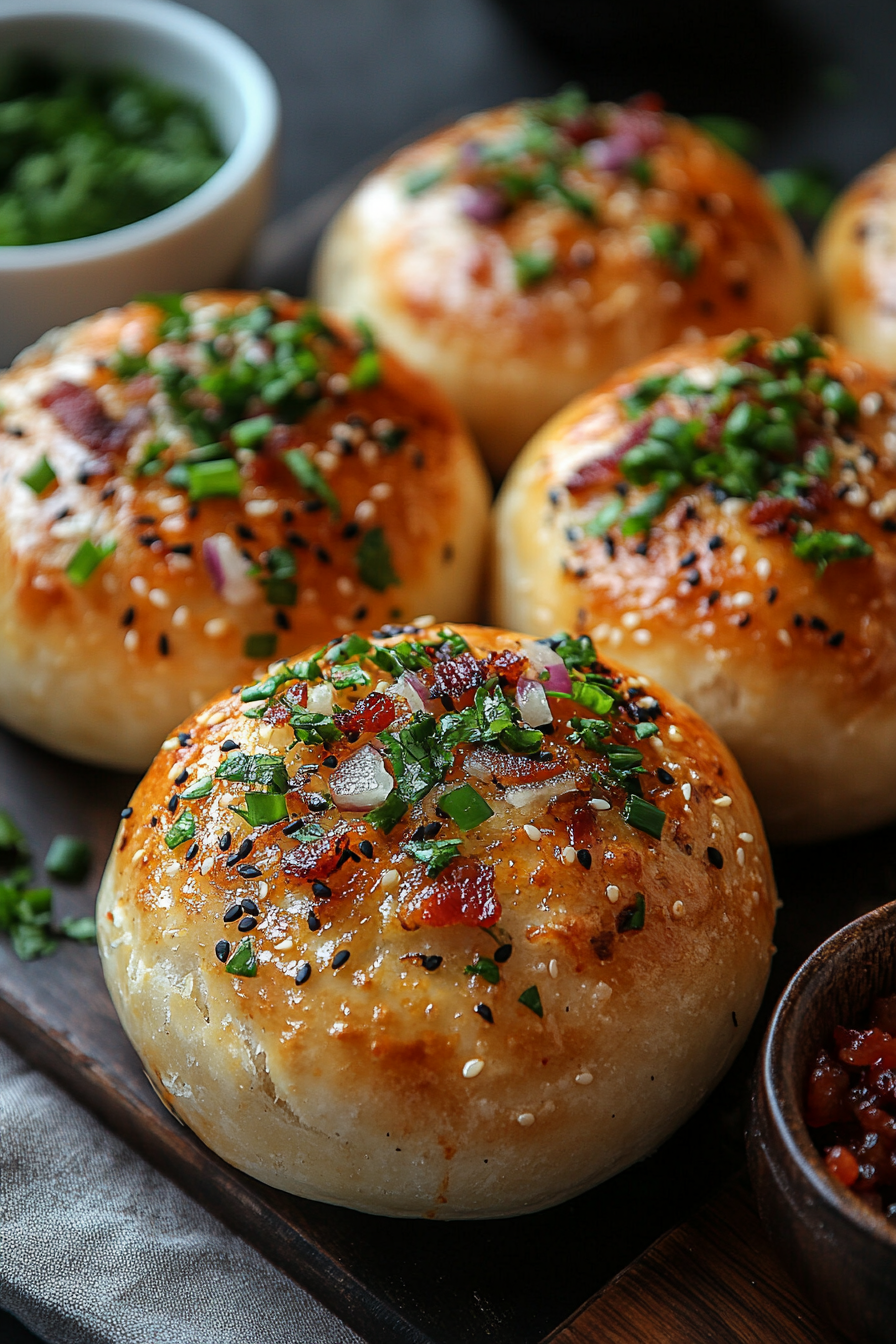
x,y
202,239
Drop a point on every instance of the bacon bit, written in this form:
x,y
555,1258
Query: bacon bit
x,y
276,714
370,715
604,470
317,859
78,410
508,665
510,770
463,893
771,516
842,1165
826,1102
457,676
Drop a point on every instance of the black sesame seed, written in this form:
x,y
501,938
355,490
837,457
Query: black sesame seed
x,y
233,912
248,870
484,1012
244,848
418,835
183,738
713,597
715,542
303,973
693,578
610,546
816,623
323,555
282,621
312,505
503,953
771,596
366,849
222,949
352,735
182,777
330,762
126,812
341,958
584,857
798,621
173,802
249,906
182,548
193,850
641,548
350,530
164,646
296,539
431,963
321,891
313,922
153,821
431,830
247,923
837,639
687,560
149,539
146,519
224,842
360,614
229,745
245,532
294,827
318,804
714,857
128,617
744,619
889,524
664,777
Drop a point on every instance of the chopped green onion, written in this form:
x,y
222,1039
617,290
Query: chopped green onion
x,y
374,560
310,478
353,647
669,245
645,394
644,815
603,520
389,813
280,592
200,789
531,267
465,807
219,478
39,477
633,917
485,967
530,998
247,433
263,809
68,858
646,730
835,396
184,828
242,960
86,558
367,369
260,645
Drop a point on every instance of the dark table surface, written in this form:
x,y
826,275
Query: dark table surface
x,y
359,76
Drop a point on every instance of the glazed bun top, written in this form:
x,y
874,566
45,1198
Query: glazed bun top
x,y
576,236
427,888
186,479
856,252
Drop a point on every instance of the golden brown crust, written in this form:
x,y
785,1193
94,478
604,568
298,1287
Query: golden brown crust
x,y
856,253
376,1083
157,634
443,286
796,669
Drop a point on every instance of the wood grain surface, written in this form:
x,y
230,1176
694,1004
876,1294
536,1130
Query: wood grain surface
x,y
501,1282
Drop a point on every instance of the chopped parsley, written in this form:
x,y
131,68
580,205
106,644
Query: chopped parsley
x,y
486,968
374,561
530,268
242,961
180,830
670,245
268,771
436,854
531,999
310,478
821,548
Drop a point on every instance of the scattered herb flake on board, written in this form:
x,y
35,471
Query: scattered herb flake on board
x,y
26,913
68,858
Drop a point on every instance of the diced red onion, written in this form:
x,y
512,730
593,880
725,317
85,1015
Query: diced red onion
x,y
228,570
533,703
485,205
361,781
543,659
410,688
614,152
320,698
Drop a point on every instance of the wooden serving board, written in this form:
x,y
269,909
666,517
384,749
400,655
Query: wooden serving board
x,y
710,1275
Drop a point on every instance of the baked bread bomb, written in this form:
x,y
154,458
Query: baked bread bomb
x,y
187,483
450,924
722,517
856,252
525,253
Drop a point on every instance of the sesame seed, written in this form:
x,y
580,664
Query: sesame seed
x,y
484,1012
739,555
390,879
553,968
568,855
283,946
600,804
164,646
742,599
532,832
526,1119
321,891
170,744
139,585
473,1068
724,801
583,1079
216,627
612,894
224,842
313,922
715,542
746,837
222,949
677,909
192,851
871,403
159,598
261,508
206,865
783,637
675,734
249,906
740,856
365,511
642,636
431,963
584,858
131,641
382,490
247,923
664,777
629,619
303,973
686,792
341,958
127,812
763,567
248,870
503,953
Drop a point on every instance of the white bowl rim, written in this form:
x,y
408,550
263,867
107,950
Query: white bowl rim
x,y
262,122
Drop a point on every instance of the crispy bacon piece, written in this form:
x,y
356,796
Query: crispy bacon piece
x,y
317,859
370,715
463,893
457,676
278,713
770,516
507,664
78,409
603,471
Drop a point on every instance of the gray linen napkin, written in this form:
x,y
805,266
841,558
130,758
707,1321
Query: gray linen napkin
x,y
98,1248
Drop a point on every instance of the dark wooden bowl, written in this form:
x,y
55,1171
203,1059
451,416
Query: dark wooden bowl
x,y
841,1253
